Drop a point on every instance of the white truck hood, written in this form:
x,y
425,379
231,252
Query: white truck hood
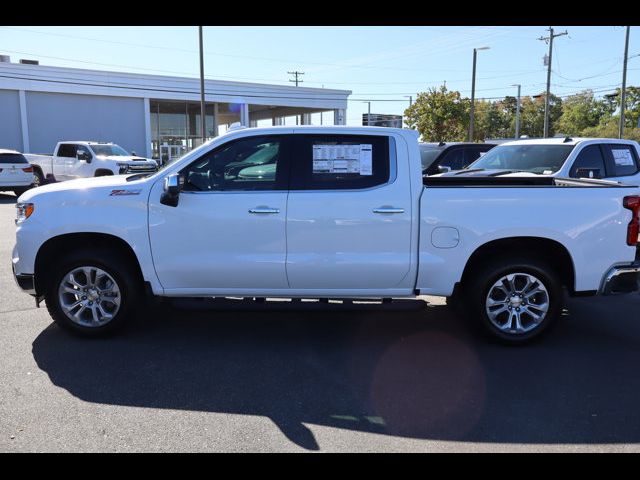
x,y
83,185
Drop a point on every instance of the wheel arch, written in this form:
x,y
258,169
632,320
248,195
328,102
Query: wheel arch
x,y
56,247
544,248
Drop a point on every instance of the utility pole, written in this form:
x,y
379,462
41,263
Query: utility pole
x,y
623,96
549,40
473,93
410,97
202,117
517,111
296,73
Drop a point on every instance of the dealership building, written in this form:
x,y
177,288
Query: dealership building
x,y
153,115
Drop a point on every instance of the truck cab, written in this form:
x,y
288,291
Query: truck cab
x,y
81,159
600,158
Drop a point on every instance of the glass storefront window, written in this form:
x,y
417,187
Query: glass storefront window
x,y
175,127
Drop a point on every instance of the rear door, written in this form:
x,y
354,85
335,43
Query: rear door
x,y
348,215
64,160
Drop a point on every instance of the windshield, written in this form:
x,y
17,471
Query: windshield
x,y
544,159
428,156
109,151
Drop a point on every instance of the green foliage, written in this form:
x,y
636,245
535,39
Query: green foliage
x,y
609,129
443,115
582,111
439,115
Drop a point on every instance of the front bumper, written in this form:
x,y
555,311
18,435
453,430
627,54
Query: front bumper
x,y
25,281
621,279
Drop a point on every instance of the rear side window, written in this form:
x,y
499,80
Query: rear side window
x,y
621,160
340,162
6,158
589,163
67,150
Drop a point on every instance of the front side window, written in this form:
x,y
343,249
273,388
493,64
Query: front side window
x,y
329,162
589,163
454,159
253,163
83,152
471,154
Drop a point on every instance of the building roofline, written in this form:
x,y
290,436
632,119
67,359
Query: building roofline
x,y
168,78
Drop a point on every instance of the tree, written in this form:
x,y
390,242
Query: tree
x,y
609,129
491,121
532,115
439,115
581,111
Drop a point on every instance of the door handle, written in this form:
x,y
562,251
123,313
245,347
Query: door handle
x,y
388,210
264,210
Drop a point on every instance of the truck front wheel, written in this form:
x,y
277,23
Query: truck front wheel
x,y
92,293
516,299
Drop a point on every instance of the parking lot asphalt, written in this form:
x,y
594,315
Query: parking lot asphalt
x,y
237,376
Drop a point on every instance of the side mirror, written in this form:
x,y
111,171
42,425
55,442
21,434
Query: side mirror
x,y
133,153
443,169
171,191
84,157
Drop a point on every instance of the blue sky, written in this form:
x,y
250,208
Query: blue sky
x,y
382,64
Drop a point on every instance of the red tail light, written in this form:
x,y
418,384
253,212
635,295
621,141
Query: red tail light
x,y
28,170
633,230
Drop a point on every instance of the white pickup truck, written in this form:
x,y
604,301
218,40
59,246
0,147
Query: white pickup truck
x,y
606,158
81,159
324,212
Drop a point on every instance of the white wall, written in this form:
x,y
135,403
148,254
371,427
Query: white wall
x,y
53,117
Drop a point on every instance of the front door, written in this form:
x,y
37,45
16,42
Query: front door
x,y
349,215
228,232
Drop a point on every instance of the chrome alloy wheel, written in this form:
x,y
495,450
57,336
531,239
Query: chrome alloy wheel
x,y
517,303
89,296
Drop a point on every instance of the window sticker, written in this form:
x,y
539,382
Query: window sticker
x,y
622,157
343,159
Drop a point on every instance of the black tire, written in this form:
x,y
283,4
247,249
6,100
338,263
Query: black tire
x,y
39,178
19,191
125,276
484,278
103,173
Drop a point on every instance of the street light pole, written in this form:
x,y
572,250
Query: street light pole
x,y
202,117
473,92
623,96
517,111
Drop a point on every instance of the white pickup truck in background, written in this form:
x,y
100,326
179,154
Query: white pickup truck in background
x,y
324,212
607,158
81,159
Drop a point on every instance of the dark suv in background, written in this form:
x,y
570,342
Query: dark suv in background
x,y
441,157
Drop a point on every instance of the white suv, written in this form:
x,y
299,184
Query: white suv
x,y
16,173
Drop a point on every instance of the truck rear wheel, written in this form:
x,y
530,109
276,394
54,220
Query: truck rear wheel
x,y
92,292
515,299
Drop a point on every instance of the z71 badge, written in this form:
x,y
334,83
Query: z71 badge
x,y
118,193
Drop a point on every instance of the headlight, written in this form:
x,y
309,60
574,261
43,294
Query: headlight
x,y
123,167
24,211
